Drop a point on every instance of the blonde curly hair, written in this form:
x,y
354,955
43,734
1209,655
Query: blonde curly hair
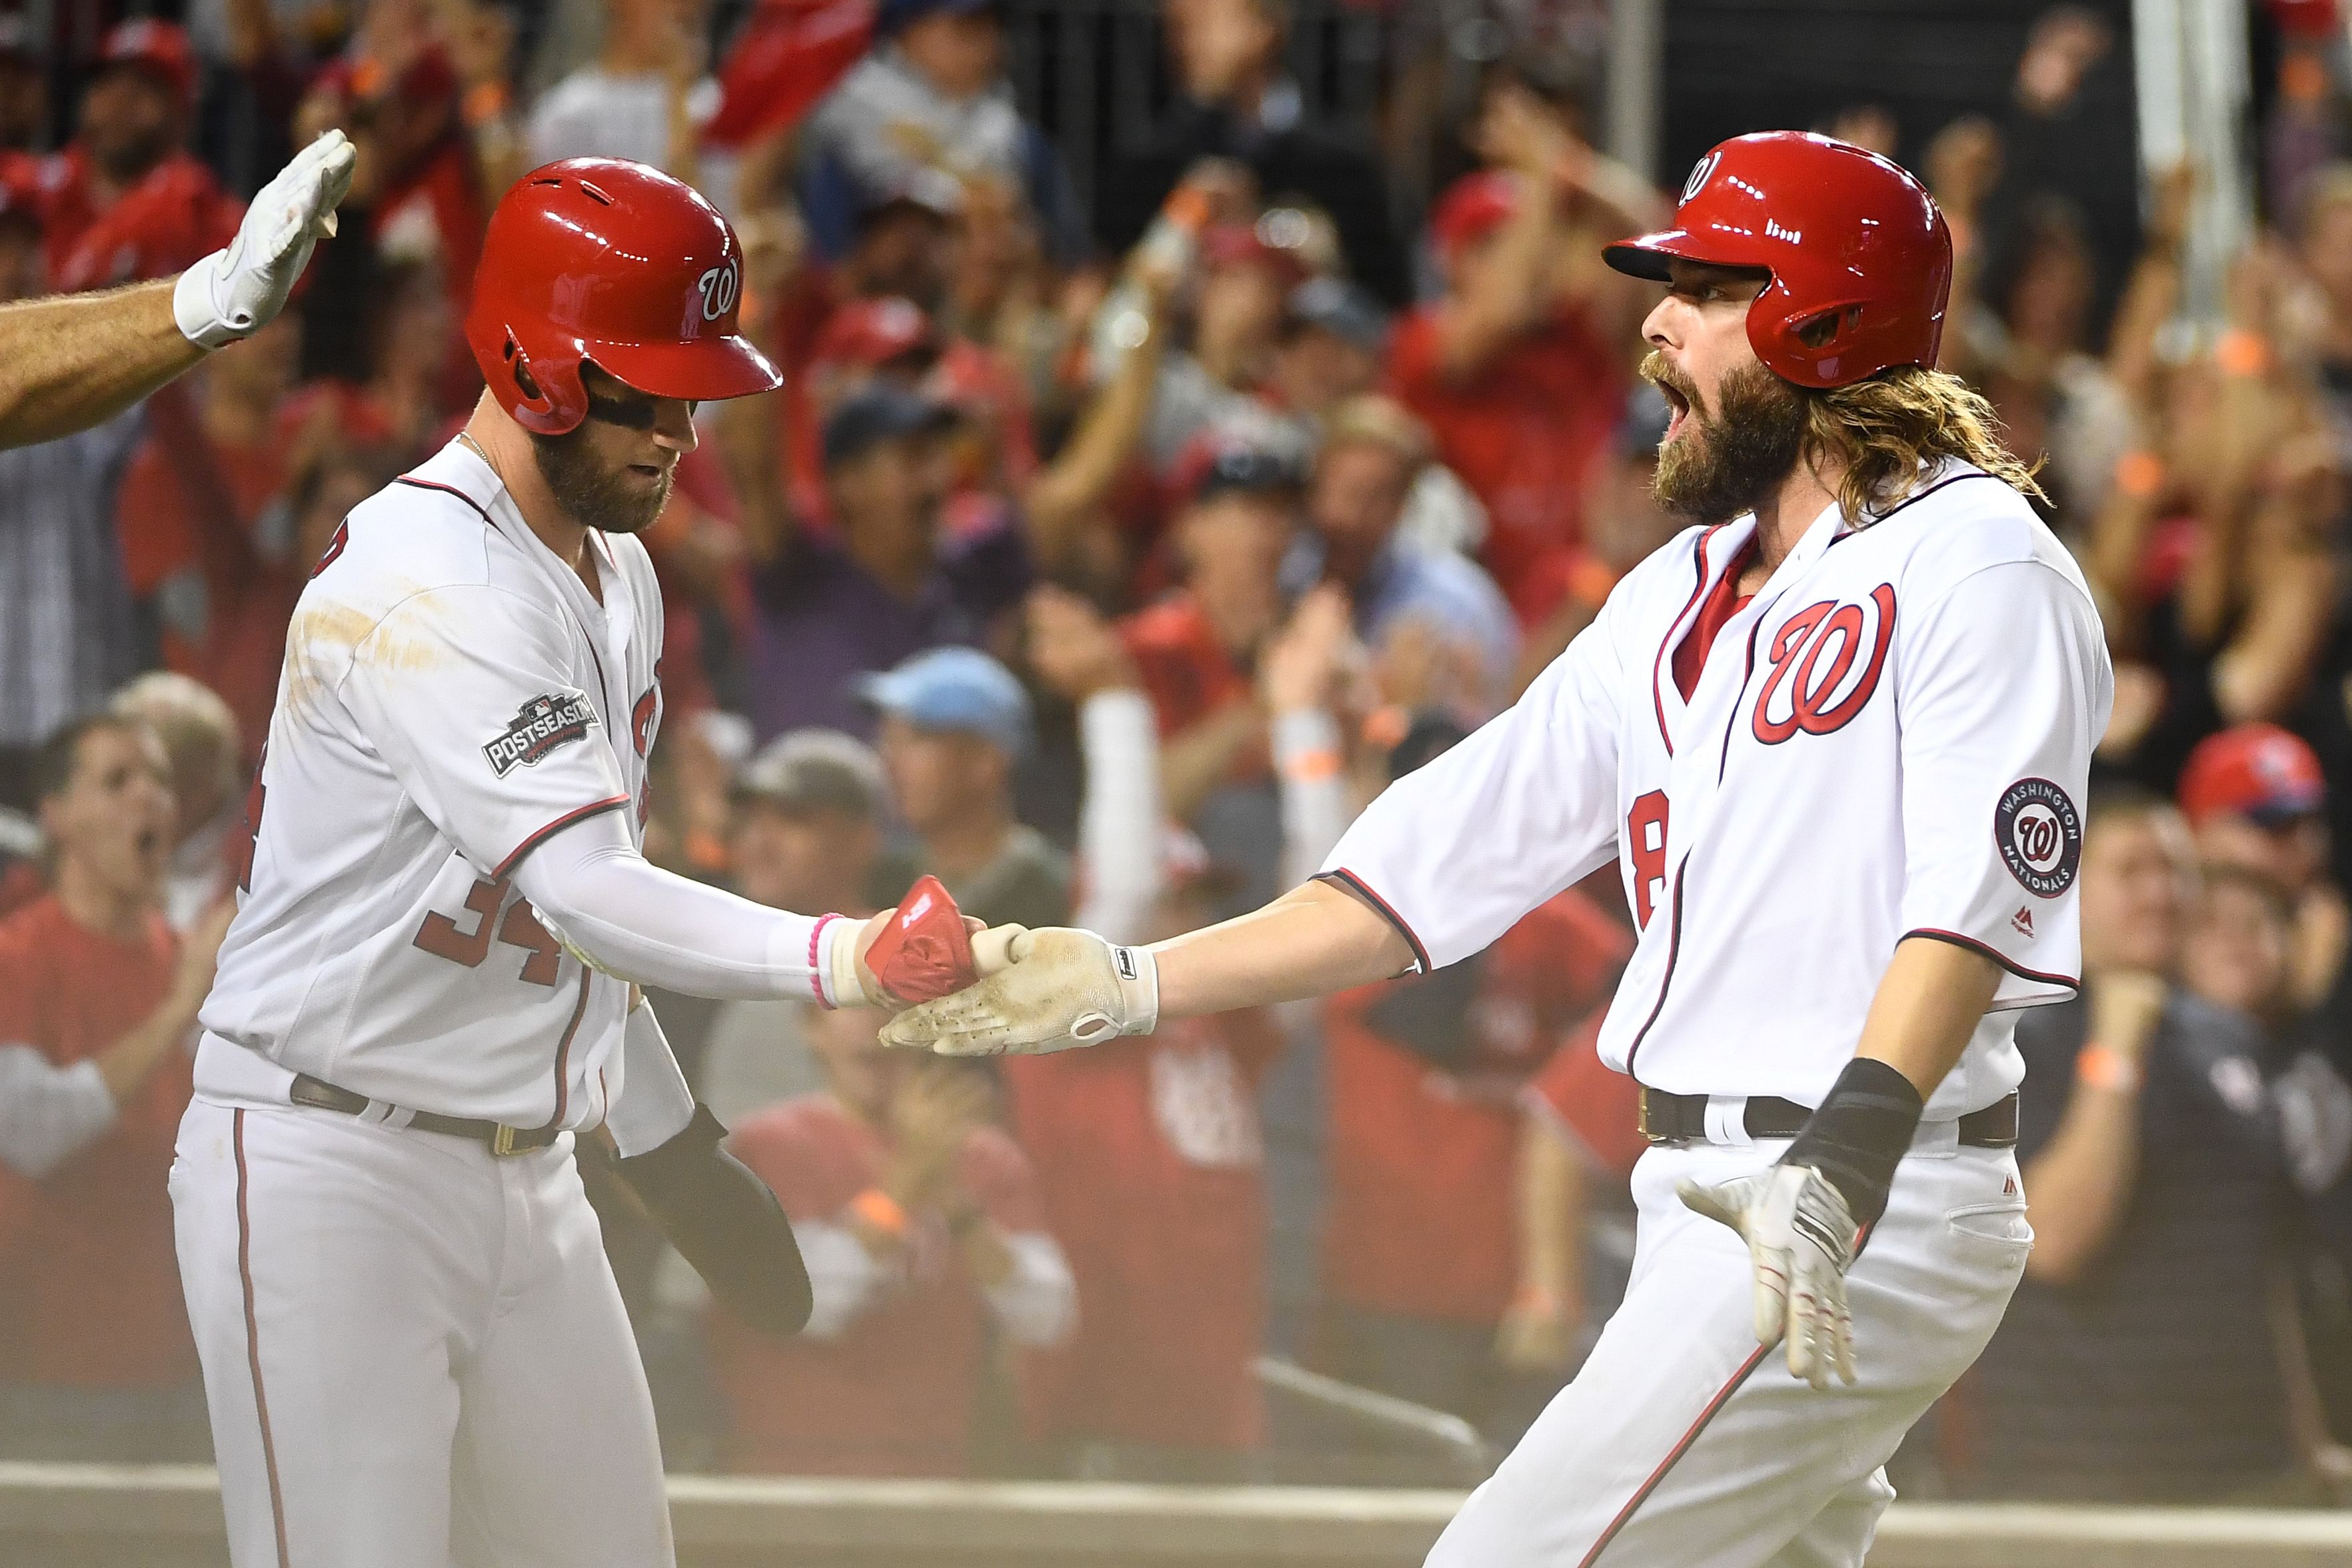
x,y
1884,429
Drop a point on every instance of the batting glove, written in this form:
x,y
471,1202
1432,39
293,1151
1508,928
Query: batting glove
x,y
234,293
1060,988
1801,1237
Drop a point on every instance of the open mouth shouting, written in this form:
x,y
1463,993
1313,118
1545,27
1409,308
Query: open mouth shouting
x,y
1679,404
1676,390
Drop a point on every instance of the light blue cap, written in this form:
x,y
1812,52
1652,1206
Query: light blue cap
x,y
956,689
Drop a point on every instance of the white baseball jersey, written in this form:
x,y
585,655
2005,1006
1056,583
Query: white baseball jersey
x,y
1892,739
451,696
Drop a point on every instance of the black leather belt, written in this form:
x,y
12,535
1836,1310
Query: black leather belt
x,y
1681,1118
496,1136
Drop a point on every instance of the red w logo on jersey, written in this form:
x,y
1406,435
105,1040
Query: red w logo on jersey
x,y
1813,686
643,717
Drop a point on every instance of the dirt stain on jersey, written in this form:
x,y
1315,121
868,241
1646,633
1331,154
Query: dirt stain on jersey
x,y
326,636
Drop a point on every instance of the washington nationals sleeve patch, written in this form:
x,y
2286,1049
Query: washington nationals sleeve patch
x,y
540,727
2040,835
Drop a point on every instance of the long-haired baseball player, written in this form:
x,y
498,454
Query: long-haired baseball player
x,y
413,1347
1835,737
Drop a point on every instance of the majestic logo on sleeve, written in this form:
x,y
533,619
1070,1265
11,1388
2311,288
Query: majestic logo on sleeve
x,y
1826,660
2040,838
541,726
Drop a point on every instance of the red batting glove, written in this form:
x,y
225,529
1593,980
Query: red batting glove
x,y
925,951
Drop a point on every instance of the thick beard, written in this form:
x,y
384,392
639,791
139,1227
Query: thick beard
x,y
591,496
1721,465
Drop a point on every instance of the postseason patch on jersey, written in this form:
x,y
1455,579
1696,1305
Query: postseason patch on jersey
x,y
541,726
2040,835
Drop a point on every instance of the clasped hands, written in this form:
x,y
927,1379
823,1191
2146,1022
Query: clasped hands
x,y
962,989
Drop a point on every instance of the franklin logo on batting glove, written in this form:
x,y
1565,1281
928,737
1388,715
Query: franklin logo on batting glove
x,y
541,725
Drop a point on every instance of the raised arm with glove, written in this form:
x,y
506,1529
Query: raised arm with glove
x,y
74,360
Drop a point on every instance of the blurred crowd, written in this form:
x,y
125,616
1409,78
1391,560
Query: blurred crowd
x,y
1103,559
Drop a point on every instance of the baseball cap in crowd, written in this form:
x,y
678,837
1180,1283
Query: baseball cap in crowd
x,y
958,690
1473,207
1215,466
2254,770
876,412
894,16
811,770
159,49
1237,245
1380,420
871,333
1342,309
932,191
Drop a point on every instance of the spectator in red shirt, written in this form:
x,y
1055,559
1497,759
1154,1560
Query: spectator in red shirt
x,y
418,191
209,772
1579,1137
1197,649
126,202
920,1224
1218,391
1149,1155
2256,799
1419,1247
97,1006
202,514
1520,367
1153,1166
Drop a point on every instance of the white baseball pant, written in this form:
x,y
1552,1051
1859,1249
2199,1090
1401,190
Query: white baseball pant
x,y
414,1352
1681,1444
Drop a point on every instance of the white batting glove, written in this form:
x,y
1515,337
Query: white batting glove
x,y
1800,1236
1059,987
234,293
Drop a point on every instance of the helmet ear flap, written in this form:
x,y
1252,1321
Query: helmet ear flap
x,y
519,367
1801,343
1820,331
554,400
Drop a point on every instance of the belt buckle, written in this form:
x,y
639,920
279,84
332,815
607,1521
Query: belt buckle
x,y
1641,1119
502,1142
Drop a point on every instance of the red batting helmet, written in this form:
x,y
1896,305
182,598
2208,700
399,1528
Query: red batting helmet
x,y
1860,258
602,259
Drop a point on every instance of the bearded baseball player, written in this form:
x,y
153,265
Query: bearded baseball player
x,y
1835,737
413,1347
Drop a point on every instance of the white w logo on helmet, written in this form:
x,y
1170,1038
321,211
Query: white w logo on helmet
x,y
719,286
1699,172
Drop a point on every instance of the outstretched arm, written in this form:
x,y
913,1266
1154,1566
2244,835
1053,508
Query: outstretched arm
x,y
1313,939
79,359
1446,859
